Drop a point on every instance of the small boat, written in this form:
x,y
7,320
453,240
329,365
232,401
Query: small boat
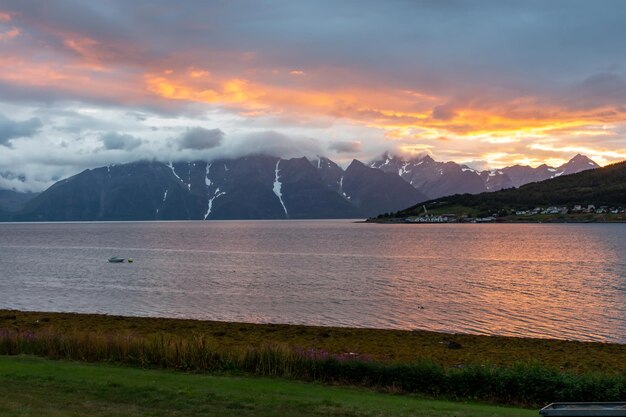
x,y
116,260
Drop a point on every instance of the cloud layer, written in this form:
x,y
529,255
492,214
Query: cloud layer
x,y
114,140
11,129
83,84
199,138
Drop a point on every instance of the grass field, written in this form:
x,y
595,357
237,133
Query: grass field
x,y
38,387
386,345
496,370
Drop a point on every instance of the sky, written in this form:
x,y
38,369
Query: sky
x,y
487,83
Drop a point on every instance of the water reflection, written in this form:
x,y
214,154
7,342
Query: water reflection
x,y
565,281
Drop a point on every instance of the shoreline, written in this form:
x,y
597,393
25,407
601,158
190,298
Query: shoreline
x,y
449,350
321,327
402,221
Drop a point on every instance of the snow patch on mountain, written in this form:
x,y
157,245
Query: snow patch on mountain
x,y
171,166
207,180
277,188
341,191
437,179
403,170
216,195
163,201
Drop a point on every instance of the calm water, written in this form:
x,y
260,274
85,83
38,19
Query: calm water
x,y
565,281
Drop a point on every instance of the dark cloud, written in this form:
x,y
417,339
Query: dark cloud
x,y
598,90
443,113
345,146
11,129
463,51
114,140
199,138
429,43
526,60
270,143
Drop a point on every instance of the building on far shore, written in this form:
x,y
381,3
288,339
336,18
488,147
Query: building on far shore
x,y
433,218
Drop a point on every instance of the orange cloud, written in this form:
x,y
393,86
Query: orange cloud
x,y
230,91
371,105
70,80
602,156
406,115
472,127
199,73
9,34
97,55
81,45
89,50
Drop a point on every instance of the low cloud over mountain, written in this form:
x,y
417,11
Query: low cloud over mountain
x,y
114,140
84,86
352,148
199,138
260,186
12,129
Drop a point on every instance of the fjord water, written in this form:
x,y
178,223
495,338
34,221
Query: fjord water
x,y
562,281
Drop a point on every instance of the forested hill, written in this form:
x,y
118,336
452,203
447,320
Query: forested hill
x,y
600,187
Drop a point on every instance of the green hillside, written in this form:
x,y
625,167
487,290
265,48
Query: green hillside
x,y
599,187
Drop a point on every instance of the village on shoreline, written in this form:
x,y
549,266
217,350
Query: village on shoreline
x,y
551,214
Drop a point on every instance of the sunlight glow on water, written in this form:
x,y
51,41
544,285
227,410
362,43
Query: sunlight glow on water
x,y
563,281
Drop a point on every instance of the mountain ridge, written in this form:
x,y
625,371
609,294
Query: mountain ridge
x,y
253,187
605,186
438,179
261,187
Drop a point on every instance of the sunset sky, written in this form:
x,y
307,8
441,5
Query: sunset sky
x,y
488,83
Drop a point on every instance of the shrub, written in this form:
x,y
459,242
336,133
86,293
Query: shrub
x,y
527,384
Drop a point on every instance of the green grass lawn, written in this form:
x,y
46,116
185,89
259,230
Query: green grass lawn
x,y
39,387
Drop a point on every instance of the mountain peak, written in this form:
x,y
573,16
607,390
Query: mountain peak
x,y
582,158
577,164
423,156
355,164
388,156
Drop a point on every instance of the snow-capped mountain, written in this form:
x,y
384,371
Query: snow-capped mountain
x,y
437,179
522,174
369,189
253,187
575,165
331,173
375,192
265,187
495,180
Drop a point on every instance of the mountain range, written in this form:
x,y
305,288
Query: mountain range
x,y
605,186
263,187
253,187
438,179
